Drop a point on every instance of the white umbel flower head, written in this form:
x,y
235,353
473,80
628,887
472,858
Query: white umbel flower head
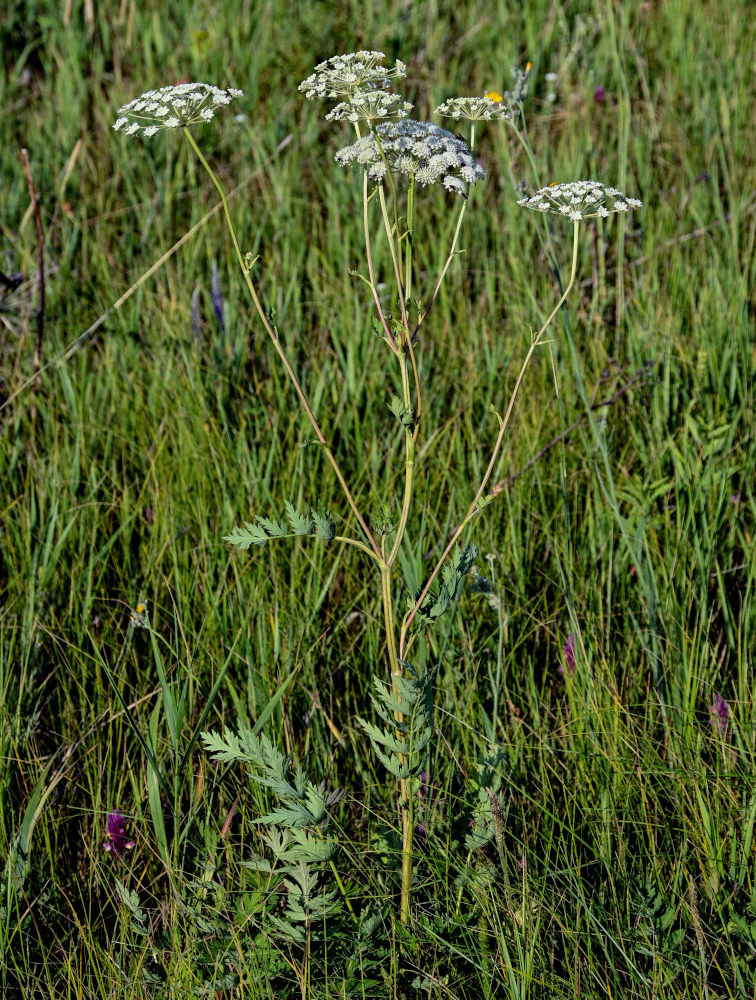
x,y
343,76
172,107
473,109
422,150
577,200
370,105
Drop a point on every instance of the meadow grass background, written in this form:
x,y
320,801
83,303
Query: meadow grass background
x,y
624,859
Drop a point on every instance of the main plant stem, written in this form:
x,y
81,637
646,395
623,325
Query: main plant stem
x,y
281,353
404,353
397,668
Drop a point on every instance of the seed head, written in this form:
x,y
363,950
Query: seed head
x,y
422,150
343,76
172,107
578,200
473,109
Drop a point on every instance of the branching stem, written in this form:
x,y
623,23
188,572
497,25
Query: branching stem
x,y
473,509
281,353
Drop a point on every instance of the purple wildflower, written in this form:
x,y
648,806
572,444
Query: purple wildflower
x,y
598,95
719,714
116,840
216,297
570,661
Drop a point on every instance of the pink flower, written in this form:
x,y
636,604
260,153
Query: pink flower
x,y
570,661
719,714
116,840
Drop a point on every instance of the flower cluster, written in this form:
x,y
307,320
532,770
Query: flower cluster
x,y
369,105
473,109
719,714
422,150
172,107
580,200
344,76
116,839
570,657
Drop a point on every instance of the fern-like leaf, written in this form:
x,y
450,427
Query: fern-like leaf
x,y
325,527
404,414
301,524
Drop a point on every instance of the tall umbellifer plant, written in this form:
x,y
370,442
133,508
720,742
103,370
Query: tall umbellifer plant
x,y
399,159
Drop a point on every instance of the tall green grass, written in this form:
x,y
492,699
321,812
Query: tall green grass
x,y
623,857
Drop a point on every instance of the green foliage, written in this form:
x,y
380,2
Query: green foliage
x,y
404,414
406,709
485,783
302,804
318,523
130,900
455,569
294,835
118,475
383,520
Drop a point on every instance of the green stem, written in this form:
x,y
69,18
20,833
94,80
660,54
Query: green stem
x,y
388,336
548,243
405,791
281,353
409,467
473,509
395,257
358,545
410,247
452,251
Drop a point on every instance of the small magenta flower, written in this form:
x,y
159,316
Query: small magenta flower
x,y
116,839
719,714
598,95
570,659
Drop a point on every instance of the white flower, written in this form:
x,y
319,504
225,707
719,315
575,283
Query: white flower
x,y
370,105
172,107
579,200
343,76
422,150
454,184
473,109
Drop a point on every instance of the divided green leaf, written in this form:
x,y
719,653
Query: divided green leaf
x,y
318,522
452,578
404,414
